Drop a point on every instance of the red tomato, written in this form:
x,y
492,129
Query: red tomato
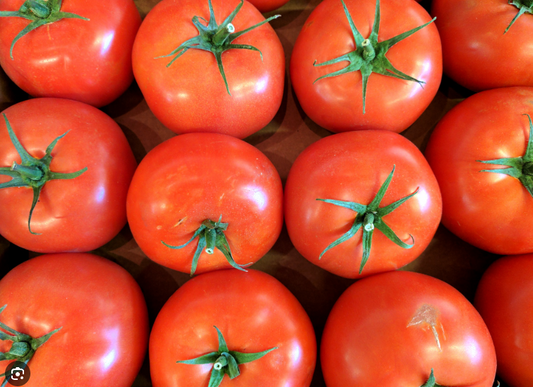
x,y
393,329
504,299
492,211
352,167
477,52
267,5
336,103
200,177
99,308
254,313
85,60
79,214
190,95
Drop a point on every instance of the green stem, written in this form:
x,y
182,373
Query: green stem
x,y
369,53
32,172
527,169
220,37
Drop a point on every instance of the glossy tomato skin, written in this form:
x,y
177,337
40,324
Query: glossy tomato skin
x,y
351,167
336,103
199,176
88,61
74,215
379,332
491,211
253,311
190,95
504,298
101,312
268,5
476,52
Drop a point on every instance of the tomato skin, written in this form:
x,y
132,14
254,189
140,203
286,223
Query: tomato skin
x,y
368,339
254,312
336,103
491,211
100,308
88,61
74,215
198,176
504,298
190,95
352,166
267,5
476,52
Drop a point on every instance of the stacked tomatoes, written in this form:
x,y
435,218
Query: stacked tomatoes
x,y
226,183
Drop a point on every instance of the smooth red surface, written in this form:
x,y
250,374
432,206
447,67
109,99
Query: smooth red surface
x,y
253,311
101,312
80,214
370,338
190,95
491,211
504,298
267,5
88,61
336,103
352,167
193,177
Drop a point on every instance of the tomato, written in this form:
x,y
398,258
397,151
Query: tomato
x,y
238,94
504,298
86,60
349,101
478,53
267,5
253,312
77,214
490,210
351,167
210,182
91,310
398,328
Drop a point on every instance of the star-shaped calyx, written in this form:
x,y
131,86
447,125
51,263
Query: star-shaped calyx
x,y
370,217
524,6
369,55
217,38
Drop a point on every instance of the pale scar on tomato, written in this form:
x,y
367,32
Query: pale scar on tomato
x,y
427,316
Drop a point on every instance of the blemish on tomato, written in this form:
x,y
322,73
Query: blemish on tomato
x,y
180,222
427,316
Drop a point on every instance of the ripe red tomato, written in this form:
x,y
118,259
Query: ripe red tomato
x,y
99,309
190,95
393,329
268,5
84,60
352,167
196,178
490,210
504,299
477,52
253,312
336,103
78,214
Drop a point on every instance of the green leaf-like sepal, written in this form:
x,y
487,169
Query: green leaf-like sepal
x,y
225,362
524,6
369,217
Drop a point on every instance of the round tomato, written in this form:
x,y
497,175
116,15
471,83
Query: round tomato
x,y
328,59
342,216
76,166
481,49
403,329
90,310
492,210
235,87
267,5
262,325
79,50
504,298
205,201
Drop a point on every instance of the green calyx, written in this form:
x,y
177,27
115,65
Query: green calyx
x,y
524,6
33,173
216,38
521,167
210,236
431,382
225,361
24,346
369,217
39,12
369,56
